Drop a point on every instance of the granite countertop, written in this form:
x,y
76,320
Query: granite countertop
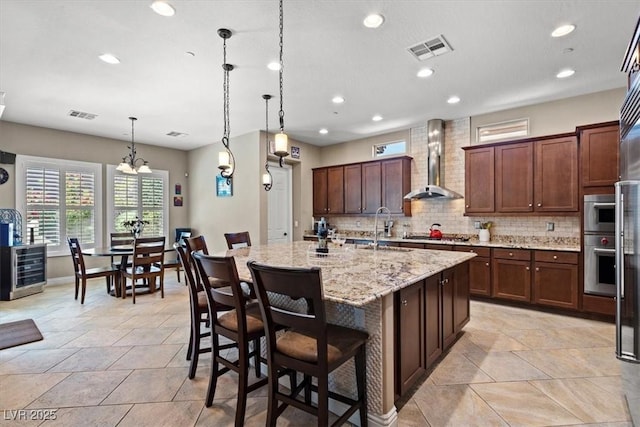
x,y
353,275
512,242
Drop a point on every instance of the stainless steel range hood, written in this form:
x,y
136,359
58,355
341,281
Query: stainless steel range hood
x,y
434,188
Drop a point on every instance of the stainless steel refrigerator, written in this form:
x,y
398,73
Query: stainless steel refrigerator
x,y
628,245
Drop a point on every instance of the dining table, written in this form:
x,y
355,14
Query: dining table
x,y
124,252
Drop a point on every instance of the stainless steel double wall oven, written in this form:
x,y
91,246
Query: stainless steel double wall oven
x,y
599,244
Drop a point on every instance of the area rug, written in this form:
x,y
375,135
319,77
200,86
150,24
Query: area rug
x,y
18,333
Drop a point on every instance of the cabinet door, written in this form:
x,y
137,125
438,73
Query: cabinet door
x,y
556,175
480,276
511,279
320,191
461,296
556,284
448,308
433,316
353,189
514,178
371,187
410,335
396,182
599,155
479,180
335,190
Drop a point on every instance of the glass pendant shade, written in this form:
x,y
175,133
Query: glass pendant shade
x,y
129,162
266,179
281,145
144,168
224,161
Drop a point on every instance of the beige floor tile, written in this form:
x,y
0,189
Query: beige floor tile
x,y
18,391
168,414
97,338
494,341
562,363
147,356
585,399
35,361
505,366
148,385
521,404
145,336
411,416
89,416
457,369
81,389
455,405
90,359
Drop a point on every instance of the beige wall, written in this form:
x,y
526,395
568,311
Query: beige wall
x,y
360,150
37,141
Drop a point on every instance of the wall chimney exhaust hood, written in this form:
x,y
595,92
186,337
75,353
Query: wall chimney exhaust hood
x,y
434,188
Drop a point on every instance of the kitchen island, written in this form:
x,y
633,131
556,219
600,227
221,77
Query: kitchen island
x,y
362,287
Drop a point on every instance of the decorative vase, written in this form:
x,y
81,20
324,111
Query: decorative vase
x,y
484,235
136,230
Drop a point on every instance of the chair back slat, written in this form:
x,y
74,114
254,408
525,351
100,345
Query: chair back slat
x,y
76,255
186,267
121,239
237,240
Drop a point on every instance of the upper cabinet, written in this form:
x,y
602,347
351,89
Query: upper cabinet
x,y
361,188
538,175
599,154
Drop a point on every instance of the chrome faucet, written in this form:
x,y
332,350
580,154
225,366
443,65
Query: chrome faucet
x,y
375,224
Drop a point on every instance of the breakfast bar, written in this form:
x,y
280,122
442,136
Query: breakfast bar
x,y
362,286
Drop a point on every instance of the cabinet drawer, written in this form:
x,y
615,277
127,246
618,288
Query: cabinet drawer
x,y
519,254
413,245
437,247
554,256
481,251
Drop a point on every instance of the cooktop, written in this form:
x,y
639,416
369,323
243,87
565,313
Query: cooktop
x,y
447,239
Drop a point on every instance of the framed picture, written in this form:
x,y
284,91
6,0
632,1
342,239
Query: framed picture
x,y
177,200
223,188
178,189
295,152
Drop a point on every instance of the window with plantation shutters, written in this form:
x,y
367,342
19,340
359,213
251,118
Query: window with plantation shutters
x,y
143,196
59,199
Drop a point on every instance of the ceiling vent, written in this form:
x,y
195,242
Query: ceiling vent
x,y
81,115
433,47
177,134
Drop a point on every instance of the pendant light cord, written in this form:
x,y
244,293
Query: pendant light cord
x,y
225,89
267,186
281,113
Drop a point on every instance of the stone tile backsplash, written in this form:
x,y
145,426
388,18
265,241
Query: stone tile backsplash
x,y
450,213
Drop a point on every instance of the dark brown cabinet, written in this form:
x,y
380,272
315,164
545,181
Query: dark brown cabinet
x,y
555,279
599,154
511,274
353,189
410,353
556,175
479,180
395,184
328,190
514,178
479,270
433,320
371,187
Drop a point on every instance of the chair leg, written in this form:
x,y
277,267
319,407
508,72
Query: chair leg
x,y
108,280
307,388
323,401
213,375
84,288
178,273
162,285
194,349
77,286
123,287
272,401
361,381
256,357
190,346
243,382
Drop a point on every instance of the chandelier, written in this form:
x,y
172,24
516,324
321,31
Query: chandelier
x,y
267,178
281,140
226,160
128,164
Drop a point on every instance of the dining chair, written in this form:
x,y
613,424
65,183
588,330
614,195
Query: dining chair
x,y
147,264
199,311
195,244
174,261
237,240
82,273
309,345
120,239
241,325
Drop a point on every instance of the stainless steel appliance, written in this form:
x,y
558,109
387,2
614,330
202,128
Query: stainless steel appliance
x,y
599,245
628,234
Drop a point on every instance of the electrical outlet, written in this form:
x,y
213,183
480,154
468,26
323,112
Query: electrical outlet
x,y
476,225
295,224
550,226
358,224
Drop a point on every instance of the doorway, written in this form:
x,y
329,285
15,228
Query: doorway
x,y
280,205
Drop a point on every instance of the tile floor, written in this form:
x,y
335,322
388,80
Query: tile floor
x,y
108,363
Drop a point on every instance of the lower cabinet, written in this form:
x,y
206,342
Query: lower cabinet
x,y
511,274
479,270
429,315
555,280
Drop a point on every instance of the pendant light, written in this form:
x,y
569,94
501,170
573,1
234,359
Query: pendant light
x,y
226,160
128,164
281,139
267,178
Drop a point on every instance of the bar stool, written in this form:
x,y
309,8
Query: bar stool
x,y
309,344
237,240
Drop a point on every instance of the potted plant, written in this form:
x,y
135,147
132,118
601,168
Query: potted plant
x,y
136,226
484,235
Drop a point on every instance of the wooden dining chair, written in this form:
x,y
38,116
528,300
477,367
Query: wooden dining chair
x,y
173,260
195,244
309,345
237,240
147,264
241,325
82,273
119,239
199,311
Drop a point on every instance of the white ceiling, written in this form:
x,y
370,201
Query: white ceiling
x,y
503,57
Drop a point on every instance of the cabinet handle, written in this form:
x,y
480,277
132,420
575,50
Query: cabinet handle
x,y
404,302
539,204
555,257
528,268
466,206
510,253
487,264
328,209
530,204
472,251
537,268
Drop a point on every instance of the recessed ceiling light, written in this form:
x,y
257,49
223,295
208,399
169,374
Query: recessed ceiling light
x,y
425,72
337,99
376,118
323,131
565,73
373,21
453,100
109,58
163,8
275,66
563,30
